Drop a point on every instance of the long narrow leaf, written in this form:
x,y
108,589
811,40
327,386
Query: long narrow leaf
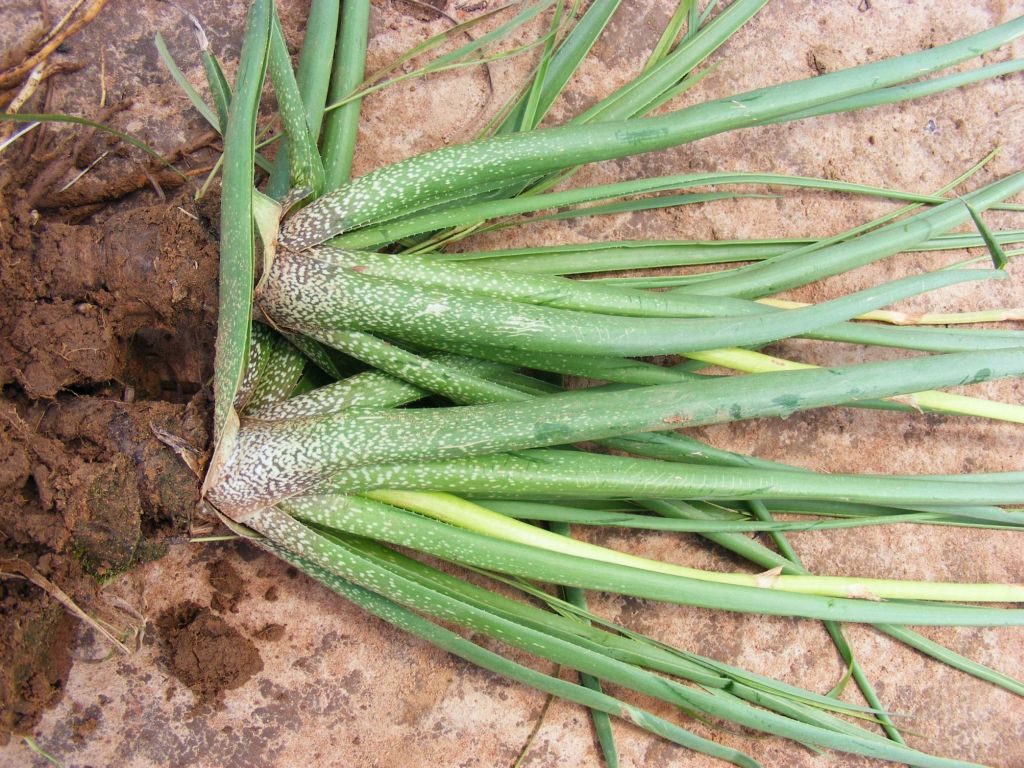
x,y
341,124
307,456
471,169
565,62
304,168
237,241
197,101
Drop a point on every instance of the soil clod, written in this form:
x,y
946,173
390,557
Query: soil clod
x,y
206,653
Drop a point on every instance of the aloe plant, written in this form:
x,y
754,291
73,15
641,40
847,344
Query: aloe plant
x,y
362,313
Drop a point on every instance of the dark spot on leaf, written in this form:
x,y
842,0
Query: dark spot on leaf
x,y
788,403
983,374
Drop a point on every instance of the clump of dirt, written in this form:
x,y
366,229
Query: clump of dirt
x,y
272,633
206,653
107,323
106,337
228,586
86,477
131,301
86,491
201,649
34,649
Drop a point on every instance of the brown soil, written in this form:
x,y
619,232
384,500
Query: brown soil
x,y
228,587
106,335
34,647
204,652
129,302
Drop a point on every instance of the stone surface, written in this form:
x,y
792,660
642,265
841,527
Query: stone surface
x,y
339,688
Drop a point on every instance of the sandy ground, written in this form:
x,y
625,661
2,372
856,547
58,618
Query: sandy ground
x,y
301,677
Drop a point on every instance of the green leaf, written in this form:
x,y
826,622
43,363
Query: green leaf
x,y
305,169
652,87
342,124
563,64
323,448
183,83
685,9
237,242
461,171
999,259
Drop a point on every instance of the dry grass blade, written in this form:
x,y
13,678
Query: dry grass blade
x,y
14,75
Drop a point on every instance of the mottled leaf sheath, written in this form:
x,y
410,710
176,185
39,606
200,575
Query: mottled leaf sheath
x,y
343,458
275,460
305,293
591,296
501,209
